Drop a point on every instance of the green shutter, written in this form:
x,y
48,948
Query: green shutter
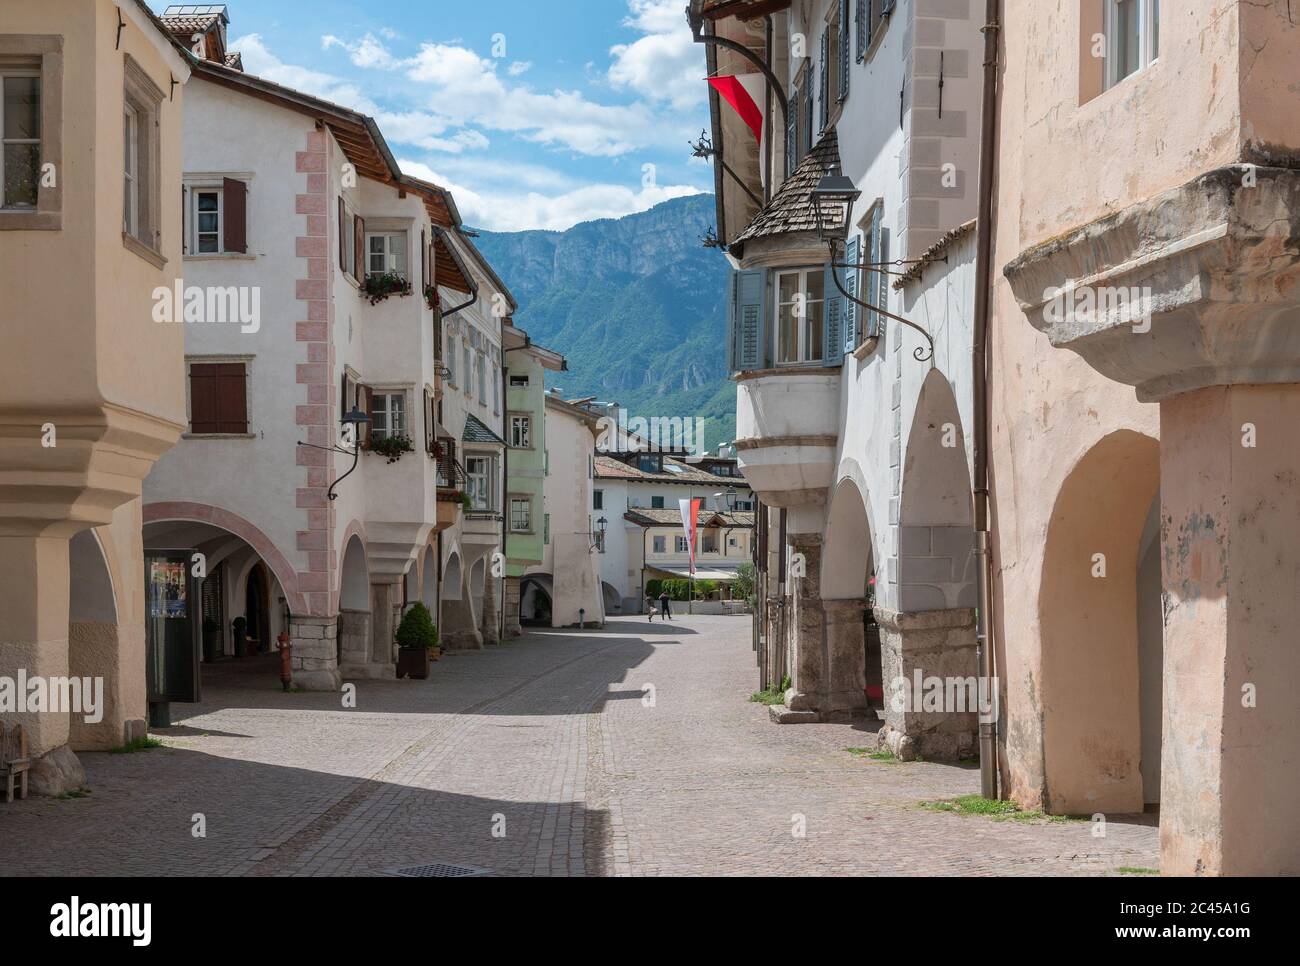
x,y
844,51
832,316
851,314
792,133
874,277
863,25
749,310
825,84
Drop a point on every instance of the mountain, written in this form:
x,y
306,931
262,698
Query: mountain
x,y
637,305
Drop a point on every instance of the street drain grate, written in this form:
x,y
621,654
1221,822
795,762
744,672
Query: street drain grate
x,y
440,870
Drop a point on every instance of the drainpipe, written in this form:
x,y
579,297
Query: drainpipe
x,y
988,734
505,503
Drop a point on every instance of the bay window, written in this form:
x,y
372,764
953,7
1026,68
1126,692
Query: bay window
x,y
479,473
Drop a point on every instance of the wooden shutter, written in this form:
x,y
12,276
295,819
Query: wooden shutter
x,y
218,398
863,24
832,317
792,133
810,119
851,277
359,248
343,234
424,265
824,82
234,219
185,220
873,275
845,59
750,307
369,396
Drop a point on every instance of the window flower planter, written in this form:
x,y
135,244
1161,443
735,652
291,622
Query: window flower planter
x,y
381,285
392,447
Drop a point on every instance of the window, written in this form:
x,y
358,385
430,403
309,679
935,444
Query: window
x,y
451,360
733,542
478,469
388,415
871,16
709,541
481,359
521,432
680,545
141,164
799,297
386,253
218,398
650,463
20,139
661,544
1132,37
656,503
519,382
521,515
598,499
205,216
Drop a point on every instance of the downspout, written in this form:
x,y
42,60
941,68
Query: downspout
x,y
505,503
988,733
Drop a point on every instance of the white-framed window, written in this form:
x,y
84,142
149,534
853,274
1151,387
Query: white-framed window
x,y
521,432
521,515
131,168
386,252
733,542
479,472
598,499
661,544
388,415
680,545
20,138
1132,37
799,307
451,360
207,217
709,541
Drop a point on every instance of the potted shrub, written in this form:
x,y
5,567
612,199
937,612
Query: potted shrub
x,y
380,285
392,447
417,639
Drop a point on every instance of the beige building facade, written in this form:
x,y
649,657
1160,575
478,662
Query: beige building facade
x,y
91,393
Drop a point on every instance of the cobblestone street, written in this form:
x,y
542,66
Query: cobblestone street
x,y
534,757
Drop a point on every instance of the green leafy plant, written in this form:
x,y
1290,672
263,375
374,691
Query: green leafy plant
x,y
743,588
431,297
417,629
143,743
392,447
466,502
381,285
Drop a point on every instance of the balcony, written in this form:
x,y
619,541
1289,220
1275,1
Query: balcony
x,y
451,486
787,432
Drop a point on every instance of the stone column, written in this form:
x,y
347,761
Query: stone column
x,y
806,624
1230,535
511,605
932,646
315,662
458,631
846,682
385,597
488,625
34,583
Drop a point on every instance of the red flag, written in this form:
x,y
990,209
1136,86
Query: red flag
x,y
743,94
690,516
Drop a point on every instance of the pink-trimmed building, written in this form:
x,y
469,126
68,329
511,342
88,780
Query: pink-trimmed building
x,y
326,279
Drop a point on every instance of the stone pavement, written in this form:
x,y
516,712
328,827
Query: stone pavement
x,y
536,757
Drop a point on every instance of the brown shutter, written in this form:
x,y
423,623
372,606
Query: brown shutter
x,y
218,398
424,266
235,216
343,229
203,398
185,217
232,398
359,255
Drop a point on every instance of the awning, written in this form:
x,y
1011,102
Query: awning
x,y
684,572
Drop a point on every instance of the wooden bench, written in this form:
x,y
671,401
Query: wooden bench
x,y
14,761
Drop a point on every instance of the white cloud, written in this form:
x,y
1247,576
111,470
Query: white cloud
x,y
260,61
666,65
520,67
555,212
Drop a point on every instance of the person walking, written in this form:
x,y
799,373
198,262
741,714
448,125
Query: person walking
x,y
664,609
650,609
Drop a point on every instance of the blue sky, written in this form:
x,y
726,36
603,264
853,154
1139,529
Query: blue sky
x,y
535,113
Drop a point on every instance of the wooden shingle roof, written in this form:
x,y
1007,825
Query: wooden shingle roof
x,y
791,208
